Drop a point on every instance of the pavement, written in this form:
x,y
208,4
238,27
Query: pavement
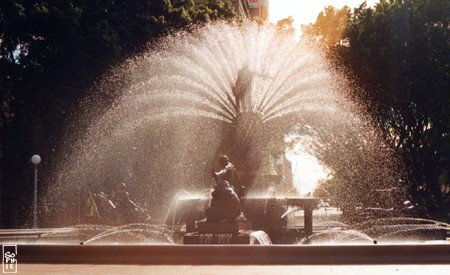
x,y
87,269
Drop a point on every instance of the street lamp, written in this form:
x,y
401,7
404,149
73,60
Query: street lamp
x,y
35,159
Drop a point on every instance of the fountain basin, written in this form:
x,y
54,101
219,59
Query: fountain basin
x,y
263,213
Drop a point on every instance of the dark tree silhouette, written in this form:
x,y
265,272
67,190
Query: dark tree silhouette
x,y
397,54
51,53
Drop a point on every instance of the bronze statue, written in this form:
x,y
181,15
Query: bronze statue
x,y
225,205
228,173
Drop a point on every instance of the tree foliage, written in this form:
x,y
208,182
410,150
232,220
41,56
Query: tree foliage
x,y
286,25
397,52
329,27
51,52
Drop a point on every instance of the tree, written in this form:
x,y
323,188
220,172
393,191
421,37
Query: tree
x,y
397,54
51,53
286,25
328,30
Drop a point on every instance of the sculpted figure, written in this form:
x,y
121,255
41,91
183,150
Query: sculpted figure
x,y
228,173
224,205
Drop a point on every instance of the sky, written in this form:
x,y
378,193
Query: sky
x,y
306,11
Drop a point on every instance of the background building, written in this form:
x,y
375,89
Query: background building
x,y
241,6
259,8
249,8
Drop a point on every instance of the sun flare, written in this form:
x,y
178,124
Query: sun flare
x,y
306,11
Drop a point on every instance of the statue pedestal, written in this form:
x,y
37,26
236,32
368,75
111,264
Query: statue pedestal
x,y
205,239
219,233
223,228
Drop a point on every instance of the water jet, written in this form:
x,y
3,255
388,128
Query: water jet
x,y
235,89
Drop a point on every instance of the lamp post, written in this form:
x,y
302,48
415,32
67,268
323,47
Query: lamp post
x,y
35,159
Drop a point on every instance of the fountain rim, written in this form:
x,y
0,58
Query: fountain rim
x,y
236,254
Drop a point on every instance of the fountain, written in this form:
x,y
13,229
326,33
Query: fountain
x,y
158,122
235,89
